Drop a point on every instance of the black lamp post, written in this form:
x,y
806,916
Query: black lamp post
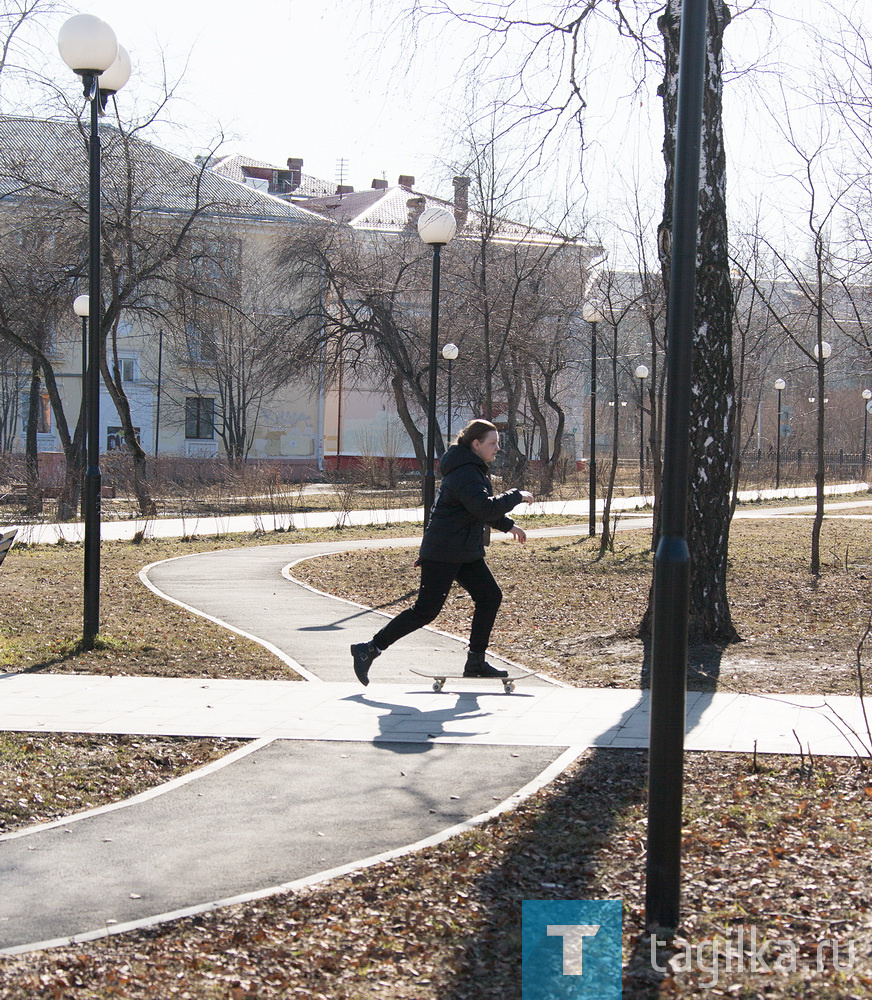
x,y
671,584
641,374
593,316
436,227
867,409
449,352
780,385
89,47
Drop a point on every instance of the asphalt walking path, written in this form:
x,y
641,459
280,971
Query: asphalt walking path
x,y
336,775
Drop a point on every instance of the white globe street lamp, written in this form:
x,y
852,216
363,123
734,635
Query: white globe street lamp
x,y
436,227
780,386
641,374
449,352
87,45
114,78
90,48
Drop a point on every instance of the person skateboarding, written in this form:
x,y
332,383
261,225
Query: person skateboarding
x,y
453,548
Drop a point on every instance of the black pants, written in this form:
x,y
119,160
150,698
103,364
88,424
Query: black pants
x,y
436,580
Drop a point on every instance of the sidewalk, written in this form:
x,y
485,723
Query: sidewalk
x,y
466,713
337,775
214,527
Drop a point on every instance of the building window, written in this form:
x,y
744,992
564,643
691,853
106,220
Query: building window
x,y
199,417
201,344
128,369
115,439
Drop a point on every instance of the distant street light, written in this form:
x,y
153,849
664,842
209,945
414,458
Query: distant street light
x,y
824,351
449,352
593,316
89,47
641,374
867,409
780,386
436,227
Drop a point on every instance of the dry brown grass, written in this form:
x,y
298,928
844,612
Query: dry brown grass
x,y
576,616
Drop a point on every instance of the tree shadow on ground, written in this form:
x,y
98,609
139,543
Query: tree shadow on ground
x,y
703,665
559,856
332,626
555,857
68,654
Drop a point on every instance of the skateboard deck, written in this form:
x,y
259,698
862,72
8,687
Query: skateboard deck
x,y
440,677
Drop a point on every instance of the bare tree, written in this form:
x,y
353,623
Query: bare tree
x,y
23,26
232,338
157,209
563,32
619,296
712,393
815,272
39,257
361,318
514,286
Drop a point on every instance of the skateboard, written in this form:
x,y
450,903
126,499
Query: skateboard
x,y
440,678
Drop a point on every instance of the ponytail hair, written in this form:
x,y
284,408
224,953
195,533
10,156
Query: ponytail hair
x,y
475,430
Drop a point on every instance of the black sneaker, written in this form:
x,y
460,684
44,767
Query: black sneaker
x,y
364,653
477,666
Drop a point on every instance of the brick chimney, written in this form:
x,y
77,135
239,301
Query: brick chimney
x,y
379,184
461,200
295,168
406,181
415,206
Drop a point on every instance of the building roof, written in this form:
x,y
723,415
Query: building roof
x,y
290,182
383,208
393,209
51,156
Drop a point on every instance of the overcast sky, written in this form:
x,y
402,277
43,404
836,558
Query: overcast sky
x,y
329,82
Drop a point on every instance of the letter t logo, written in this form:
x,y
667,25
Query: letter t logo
x,y
573,941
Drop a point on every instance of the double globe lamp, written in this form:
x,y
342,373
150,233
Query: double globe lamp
x,y
90,48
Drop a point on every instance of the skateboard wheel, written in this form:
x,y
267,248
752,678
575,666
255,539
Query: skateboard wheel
x,y
437,685
509,686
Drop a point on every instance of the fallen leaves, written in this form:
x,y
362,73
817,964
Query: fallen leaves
x,y
44,776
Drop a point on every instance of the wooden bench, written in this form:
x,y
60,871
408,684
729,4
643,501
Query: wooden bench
x,y
6,540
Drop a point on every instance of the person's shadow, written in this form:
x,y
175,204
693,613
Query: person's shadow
x,y
403,724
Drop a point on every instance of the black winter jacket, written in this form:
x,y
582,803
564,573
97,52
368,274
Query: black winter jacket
x,y
464,507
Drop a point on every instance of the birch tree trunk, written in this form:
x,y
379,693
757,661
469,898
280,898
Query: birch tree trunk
x,y
713,403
